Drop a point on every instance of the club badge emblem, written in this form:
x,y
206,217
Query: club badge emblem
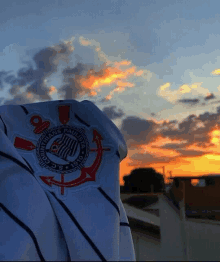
x,y
63,149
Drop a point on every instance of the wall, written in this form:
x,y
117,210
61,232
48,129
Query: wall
x,y
172,244
203,240
203,196
196,239
198,196
147,247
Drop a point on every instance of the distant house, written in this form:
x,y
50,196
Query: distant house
x,y
201,201
175,225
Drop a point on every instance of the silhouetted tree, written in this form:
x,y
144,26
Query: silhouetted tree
x,y
210,181
142,179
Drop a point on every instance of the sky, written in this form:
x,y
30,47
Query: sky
x,y
152,66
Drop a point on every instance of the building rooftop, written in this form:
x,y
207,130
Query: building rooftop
x,y
195,177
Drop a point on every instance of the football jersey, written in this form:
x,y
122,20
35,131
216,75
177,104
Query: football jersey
x,y
59,184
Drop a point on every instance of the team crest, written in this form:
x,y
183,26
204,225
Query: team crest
x,y
66,145
63,149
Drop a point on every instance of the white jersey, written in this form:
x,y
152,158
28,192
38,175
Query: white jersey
x,y
59,184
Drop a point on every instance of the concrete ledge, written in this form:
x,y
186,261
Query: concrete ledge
x,y
141,215
206,221
144,228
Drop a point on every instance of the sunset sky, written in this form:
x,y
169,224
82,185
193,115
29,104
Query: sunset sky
x,y
152,66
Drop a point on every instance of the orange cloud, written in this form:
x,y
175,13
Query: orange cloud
x,y
122,63
139,73
85,42
52,90
185,89
165,86
94,81
125,84
215,137
29,95
216,72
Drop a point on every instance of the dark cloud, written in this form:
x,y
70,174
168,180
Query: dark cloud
x,y
188,101
215,102
137,129
208,97
148,158
45,62
103,100
208,117
182,149
172,146
187,130
111,113
72,86
192,153
11,79
3,76
18,99
140,160
194,129
78,69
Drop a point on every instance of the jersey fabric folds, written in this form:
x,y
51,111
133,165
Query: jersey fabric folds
x,y
59,184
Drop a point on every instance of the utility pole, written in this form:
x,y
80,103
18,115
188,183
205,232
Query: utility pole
x,y
170,176
164,175
164,171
